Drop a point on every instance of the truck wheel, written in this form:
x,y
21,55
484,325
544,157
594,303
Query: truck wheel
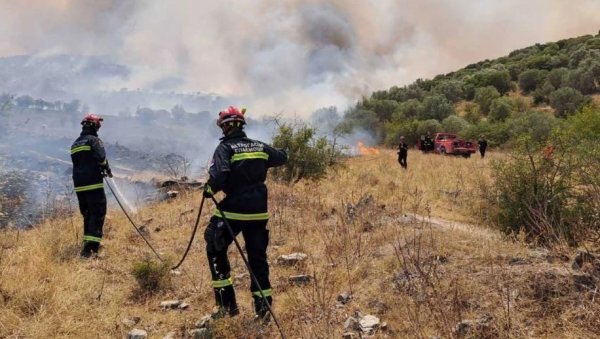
x,y
443,150
467,155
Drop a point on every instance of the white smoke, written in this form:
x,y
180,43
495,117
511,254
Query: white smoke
x,y
288,56
114,188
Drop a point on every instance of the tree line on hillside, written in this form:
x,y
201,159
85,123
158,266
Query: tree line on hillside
x,y
11,105
524,92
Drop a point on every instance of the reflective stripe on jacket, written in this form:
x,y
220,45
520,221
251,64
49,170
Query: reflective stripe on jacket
x,y
239,168
89,158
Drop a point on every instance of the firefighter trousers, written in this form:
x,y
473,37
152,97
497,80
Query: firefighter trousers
x,y
92,205
256,238
402,159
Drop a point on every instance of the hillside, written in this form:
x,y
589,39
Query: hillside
x,y
544,82
96,81
400,242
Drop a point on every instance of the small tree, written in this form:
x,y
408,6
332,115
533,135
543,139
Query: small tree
x,y
454,124
432,126
500,109
411,108
566,101
452,90
542,93
436,107
472,114
530,79
175,165
537,125
558,77
308,156
484,97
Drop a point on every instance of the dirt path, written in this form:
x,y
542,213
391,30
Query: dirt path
x,y
472,229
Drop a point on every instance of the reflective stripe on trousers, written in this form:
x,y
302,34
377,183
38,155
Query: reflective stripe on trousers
x,y
243,216
222,283
89,187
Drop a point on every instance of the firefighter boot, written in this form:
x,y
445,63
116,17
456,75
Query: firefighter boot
x,y
89,249
226,303
262,308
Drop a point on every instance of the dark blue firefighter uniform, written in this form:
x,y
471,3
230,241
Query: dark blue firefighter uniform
x,y
239,169
89,161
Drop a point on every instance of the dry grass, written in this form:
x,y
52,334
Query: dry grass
x,y
370,228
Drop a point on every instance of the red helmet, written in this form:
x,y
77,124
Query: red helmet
x,y
230,115
92,119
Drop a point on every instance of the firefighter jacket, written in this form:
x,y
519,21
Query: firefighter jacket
x,y
239,168
402,149
89,160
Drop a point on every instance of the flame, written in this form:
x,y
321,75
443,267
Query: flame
x,y
364,150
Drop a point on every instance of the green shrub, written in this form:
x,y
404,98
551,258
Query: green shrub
x,y
551,190
361,118
520,105
451,89
530,79
542,94
584,80
485,96
436,107
411,108
472,114
454,124
500,109
308,156
395,129
496,133
535,194
151,275
535,124
558,77
566,101
432,126
499,79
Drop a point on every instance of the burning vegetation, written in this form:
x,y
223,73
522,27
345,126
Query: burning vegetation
x,y
364,150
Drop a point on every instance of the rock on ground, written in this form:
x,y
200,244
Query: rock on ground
x,y
137,334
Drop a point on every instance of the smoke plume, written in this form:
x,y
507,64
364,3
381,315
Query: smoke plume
x,y
287,56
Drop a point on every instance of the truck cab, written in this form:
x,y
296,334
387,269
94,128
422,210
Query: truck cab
x,y
448,143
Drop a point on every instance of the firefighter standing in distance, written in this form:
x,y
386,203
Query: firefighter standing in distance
x,y
427,143
482,145
239,169
402,153
89,168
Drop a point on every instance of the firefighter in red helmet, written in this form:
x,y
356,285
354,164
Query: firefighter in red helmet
x,y
89,168
239,169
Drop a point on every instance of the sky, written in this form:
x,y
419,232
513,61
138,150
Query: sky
x,y
287,56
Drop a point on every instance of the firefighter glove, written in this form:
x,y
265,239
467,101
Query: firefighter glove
x,y
207,193
106,172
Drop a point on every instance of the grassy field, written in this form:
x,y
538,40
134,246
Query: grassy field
x,y
410,246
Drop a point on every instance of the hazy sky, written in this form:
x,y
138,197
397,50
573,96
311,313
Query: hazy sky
x,y
288,56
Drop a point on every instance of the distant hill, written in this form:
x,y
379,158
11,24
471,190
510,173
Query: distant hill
x,y
543,81
94,80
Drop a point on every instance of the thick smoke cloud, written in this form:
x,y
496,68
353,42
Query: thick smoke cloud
x,y
288,56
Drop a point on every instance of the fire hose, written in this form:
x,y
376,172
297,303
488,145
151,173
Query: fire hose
x,y
229,229
192,237
131,220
